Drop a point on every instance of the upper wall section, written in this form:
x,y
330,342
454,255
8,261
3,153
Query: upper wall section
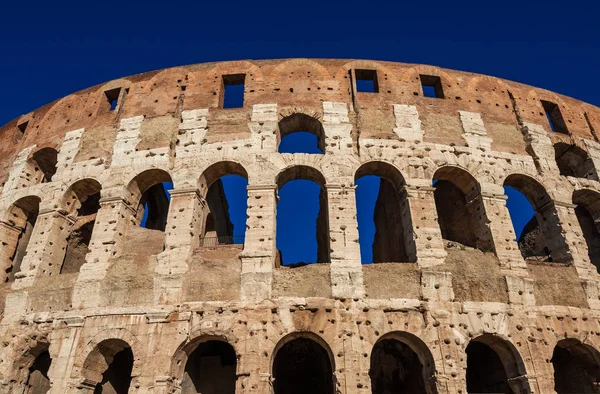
x,y
504,105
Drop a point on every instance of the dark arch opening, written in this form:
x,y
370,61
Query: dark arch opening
x,y
587,212
460,209
149,190
45,160
576,368
83,200
210,369
541,238
23,216
117,377
383,212
574,161
223,186
302,366
396,368
300,133
38,381
495,366
302,217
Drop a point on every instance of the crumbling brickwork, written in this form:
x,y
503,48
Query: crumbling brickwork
x,y
92,302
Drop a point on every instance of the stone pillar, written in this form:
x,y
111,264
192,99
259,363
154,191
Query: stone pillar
x,y
184,226
110,227
258,256
9,234
337,128
503,233
62,357
346,268
427,233
46,249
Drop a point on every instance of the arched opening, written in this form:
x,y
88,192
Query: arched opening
x,y
460,209
45,161
300,133
22,217
302,217
223,185
576,367
149,194
384,220
401,363
82,201
540,239
210,369
495,366
109,367
37,380
587,212
302,365
574,161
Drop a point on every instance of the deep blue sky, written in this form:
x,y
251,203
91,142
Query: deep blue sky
x,y
51,49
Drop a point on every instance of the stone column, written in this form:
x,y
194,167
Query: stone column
x,y
427,233
503,233
258,256
46,249
62,357
110,227
9,234
184,226
346,268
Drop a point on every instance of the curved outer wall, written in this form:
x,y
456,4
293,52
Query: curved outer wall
x,y
158,299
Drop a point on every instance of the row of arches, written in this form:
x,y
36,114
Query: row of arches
x,y
302,362
302,214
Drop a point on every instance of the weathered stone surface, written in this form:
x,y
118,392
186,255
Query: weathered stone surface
x,y
138,310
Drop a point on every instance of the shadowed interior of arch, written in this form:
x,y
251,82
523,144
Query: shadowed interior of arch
x,y
576,367
302,366
227,201
301,133
37,380
210,369
155,202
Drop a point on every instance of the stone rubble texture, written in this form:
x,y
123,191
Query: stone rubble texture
x,y
159,292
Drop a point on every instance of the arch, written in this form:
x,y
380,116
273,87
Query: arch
x,y
300,122
393,240
401,362
218,223
302,362
301,211
82,202
460,209
148,194
108,367
541,238
587,211
576,367
207,364
574,161
494,365
30,363
21,219
45,160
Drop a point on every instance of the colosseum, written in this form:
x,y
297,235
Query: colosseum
x,y
114,284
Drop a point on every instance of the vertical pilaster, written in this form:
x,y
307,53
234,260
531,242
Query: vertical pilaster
x,y
503,234
346,268
107,240
338,129
183,230
258,256
427,233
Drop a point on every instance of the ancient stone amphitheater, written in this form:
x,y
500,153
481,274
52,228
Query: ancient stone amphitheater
x,y
95,302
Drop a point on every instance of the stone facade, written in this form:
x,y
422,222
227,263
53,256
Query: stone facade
x,y
149,298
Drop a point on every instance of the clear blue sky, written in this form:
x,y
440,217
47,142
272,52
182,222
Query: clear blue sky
x,y
51,49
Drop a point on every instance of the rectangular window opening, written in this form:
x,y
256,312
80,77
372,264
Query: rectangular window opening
x,y
22,127
233,96
555,119
432,86
366,81
112,96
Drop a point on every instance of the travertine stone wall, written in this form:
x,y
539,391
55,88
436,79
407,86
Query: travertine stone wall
x,y
169,125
